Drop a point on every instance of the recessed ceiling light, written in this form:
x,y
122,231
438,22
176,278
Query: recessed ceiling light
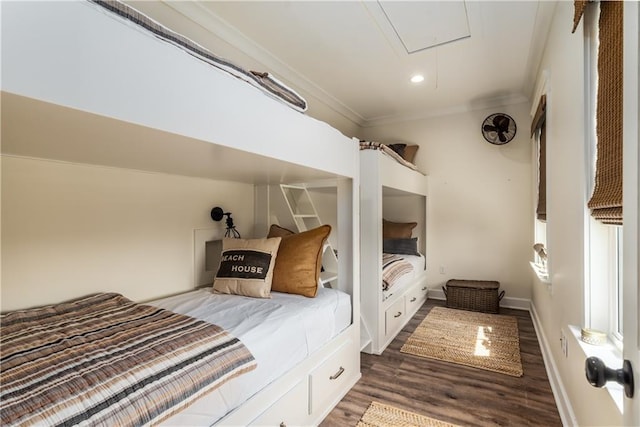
x,y
417,78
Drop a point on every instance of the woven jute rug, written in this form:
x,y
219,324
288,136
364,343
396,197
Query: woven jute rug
x,y
379,415
480,340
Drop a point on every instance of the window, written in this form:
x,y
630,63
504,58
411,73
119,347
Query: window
x,y
603,287
603,305
539,138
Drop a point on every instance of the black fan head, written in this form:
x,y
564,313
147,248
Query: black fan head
x,y
498,128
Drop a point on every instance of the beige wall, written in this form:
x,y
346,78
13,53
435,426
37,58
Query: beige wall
x,y
70,230
479,205
562,304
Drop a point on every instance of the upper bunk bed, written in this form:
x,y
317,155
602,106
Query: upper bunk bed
x,y
123,87
82,85
393,196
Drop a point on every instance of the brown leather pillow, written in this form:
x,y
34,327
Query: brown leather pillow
x,y
246,267
299,261
409,153
397,230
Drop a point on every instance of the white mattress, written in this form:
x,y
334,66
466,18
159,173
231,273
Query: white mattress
x,y
419,264
266,326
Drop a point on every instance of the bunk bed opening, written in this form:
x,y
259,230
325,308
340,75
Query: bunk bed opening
x,y
393,227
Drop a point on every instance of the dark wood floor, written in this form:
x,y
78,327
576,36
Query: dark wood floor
x,y
453,393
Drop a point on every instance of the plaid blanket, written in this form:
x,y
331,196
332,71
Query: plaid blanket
x,y
393,268
105,360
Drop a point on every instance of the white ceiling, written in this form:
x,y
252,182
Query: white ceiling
x,y
354,55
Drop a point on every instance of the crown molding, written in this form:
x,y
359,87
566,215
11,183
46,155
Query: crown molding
x,y
483,104
205,18
544,16
211,22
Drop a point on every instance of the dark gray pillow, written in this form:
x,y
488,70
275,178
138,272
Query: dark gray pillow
x,y
400,246
398,148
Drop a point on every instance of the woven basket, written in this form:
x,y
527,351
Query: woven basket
x,y
474,295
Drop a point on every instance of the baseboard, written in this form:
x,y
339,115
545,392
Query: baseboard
x,y
506,302
559,393
435,294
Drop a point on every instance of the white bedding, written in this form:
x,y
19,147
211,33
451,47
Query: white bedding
x,y
280,332
419,265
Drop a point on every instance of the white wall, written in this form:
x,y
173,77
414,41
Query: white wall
x,y
563,303
70,230
479,205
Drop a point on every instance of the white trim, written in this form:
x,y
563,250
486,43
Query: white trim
x,y
563,403
631,176
593,249
483,104
541,89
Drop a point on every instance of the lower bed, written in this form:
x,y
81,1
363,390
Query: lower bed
x,y
181,360
280,332
399,270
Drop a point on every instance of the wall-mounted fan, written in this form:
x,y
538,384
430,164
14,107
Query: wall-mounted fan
x,y
498,128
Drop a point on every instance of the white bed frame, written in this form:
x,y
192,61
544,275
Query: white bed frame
x,y
152,107
394,192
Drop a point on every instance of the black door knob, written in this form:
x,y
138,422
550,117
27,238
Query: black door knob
x,y
598,374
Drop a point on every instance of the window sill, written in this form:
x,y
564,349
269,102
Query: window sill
x,y
610,355
541,272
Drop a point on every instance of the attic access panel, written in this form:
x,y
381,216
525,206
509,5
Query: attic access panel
x,y
425,24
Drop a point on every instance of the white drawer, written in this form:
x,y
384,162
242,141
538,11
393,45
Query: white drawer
x,y
415,298
333,377
290,410
394,317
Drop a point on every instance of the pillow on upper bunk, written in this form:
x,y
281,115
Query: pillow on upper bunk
x,y
299,261
400,246
246,267
398,148
409,153
397,230
406,151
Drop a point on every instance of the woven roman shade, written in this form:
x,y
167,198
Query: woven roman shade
x,y
539,124
606,200
578,10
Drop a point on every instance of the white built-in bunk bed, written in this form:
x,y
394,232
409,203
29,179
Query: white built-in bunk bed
x,y
106,92
393,282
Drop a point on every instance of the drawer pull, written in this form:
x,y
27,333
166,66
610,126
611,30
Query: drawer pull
x,y
282,424
337,374
398,314
424,288
413,299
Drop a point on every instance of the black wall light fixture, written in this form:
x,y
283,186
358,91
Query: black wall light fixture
x,y
217,214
